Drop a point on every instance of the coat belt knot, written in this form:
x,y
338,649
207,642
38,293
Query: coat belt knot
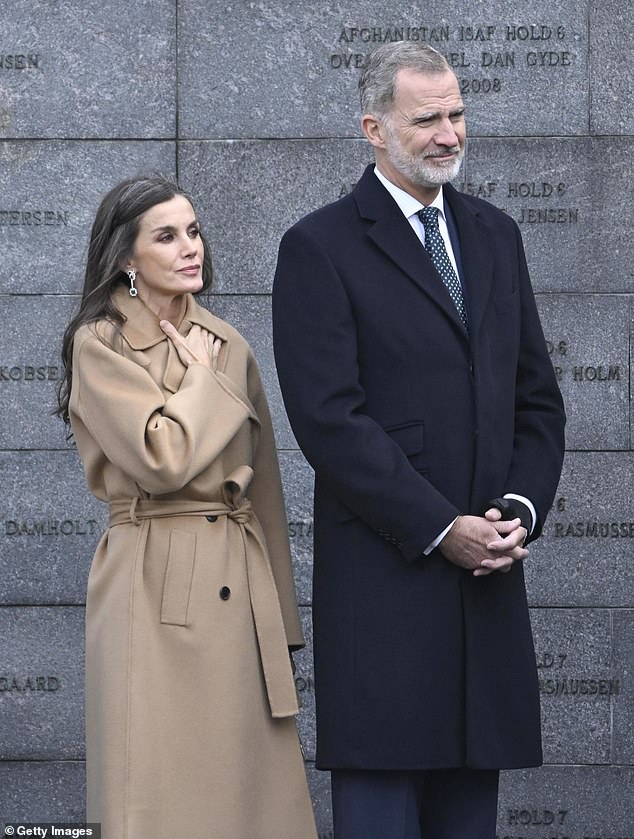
x,y
243,513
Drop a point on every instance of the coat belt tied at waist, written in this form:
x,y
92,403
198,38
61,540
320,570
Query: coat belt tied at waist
x,y
265,605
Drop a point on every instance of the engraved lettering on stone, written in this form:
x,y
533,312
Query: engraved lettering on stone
x,y
527,189
28,373
304,685
510,48
476,33
588,528
547,215
549,58
35,217
555,681
535,189
551,660
534,32
20,61
345,189
51,527
594,529
556,351
468,86
535,817
356,61
457,59
497,59
300,529
541,215
600,373
382,34
483,190
28,684
557,348
579,687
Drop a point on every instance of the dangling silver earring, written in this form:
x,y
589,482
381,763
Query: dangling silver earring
x,y
132,277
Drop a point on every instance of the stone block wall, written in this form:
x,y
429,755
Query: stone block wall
x,y
252,106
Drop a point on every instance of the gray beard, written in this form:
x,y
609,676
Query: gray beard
x,y
417,170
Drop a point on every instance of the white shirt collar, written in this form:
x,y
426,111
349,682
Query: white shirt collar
x,y
409,205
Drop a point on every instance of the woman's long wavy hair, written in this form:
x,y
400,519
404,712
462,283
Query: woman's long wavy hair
x,y
112,240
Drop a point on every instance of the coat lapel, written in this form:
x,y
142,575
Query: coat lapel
x,y
392,233
141,331
477,265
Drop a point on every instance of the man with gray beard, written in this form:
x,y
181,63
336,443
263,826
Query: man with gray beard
x,y
417,381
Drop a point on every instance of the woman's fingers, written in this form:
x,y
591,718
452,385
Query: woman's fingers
x,y
199,347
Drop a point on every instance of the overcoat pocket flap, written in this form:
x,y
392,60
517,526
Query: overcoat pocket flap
x,y
178,577
409,437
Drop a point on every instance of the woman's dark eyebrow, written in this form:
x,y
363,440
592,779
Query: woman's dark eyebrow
x,y
171,229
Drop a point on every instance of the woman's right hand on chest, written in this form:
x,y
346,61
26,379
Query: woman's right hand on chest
x,y
199,347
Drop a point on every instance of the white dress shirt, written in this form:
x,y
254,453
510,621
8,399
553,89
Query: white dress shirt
x,y
410,206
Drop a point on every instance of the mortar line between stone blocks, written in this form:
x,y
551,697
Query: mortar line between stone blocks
x,y
78,760
42,605
612,698
176,95
589,69
629,361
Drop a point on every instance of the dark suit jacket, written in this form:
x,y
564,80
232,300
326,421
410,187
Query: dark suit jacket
x,y
408,422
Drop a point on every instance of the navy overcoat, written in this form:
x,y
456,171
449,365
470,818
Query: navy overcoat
x,y
409,422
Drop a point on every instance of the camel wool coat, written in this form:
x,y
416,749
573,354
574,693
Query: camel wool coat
x,y
191,608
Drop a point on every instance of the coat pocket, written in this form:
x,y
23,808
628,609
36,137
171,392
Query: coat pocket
x,y
410,438
179,574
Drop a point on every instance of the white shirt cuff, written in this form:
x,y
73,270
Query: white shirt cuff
x,y
529,505
439,538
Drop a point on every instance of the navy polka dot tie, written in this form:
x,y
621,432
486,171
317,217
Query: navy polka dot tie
x,y
435,247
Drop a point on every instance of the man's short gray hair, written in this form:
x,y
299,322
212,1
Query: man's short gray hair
x,y
377,85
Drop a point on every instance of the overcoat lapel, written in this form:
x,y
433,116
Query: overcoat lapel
x,y
477,265
394,236
392,233
141,328
141,331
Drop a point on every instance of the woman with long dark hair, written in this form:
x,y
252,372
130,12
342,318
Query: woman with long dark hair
x,y
191,610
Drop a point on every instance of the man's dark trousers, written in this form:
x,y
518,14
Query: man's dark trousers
x,y
426,804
